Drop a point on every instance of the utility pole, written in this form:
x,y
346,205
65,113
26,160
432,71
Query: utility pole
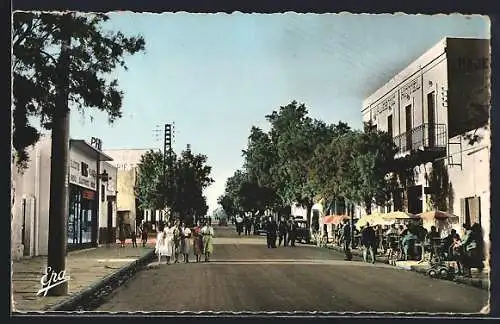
x,y
59,173
167,164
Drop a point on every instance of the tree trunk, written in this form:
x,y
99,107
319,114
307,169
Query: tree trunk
x,y
58,206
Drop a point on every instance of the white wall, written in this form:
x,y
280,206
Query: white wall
x,y
473,179
34,185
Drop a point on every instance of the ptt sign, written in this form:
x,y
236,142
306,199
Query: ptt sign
x,y
96,143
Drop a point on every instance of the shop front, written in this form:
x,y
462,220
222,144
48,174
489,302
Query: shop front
x,y
85,179
82,217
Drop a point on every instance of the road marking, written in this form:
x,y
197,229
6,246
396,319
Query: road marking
x,y
116,260
285,262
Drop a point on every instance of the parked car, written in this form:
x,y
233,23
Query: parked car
x,y
303,232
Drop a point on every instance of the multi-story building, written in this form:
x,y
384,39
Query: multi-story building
x,y
91,187
437,111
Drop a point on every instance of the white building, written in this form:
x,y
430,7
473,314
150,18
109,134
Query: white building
x,y
430,108
30,219
126,162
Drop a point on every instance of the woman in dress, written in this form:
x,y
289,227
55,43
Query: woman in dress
x,y
208,233
185,238
177,239
160,248
169,241
197,241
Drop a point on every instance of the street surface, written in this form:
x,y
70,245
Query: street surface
x,y
245,275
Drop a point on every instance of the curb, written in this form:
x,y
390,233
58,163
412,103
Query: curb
x,y
475,282
72,302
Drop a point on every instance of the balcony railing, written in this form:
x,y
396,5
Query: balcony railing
x,y
424,137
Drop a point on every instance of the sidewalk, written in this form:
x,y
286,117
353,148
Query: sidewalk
x,y
84,267
480,280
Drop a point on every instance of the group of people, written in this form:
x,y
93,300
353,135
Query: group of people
x,y
468,251
285,232
176,240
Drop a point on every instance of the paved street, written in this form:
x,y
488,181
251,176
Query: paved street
x,y
247,276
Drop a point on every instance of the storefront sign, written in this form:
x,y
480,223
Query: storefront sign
x,y
82,171
386,104
96,143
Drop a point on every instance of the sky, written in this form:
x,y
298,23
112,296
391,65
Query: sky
x,y
216,75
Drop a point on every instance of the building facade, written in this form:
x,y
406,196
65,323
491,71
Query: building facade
x,y
30,218
437,111
129,214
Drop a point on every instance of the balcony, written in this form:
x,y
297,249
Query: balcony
x,y
422,144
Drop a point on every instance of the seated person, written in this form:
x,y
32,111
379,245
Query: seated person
x,y
408,244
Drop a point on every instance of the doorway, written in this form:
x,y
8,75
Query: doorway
x,y
111,237
431,119
408,128
25,230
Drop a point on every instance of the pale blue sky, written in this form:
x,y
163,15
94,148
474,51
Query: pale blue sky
x,y
216,75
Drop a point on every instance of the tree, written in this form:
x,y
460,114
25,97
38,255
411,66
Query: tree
x,y
192,177
152,189
439,185
296,137
93,54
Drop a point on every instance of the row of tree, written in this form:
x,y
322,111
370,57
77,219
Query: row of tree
x,y
301,160
174,183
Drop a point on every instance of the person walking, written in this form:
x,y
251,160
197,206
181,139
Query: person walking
x,y
282,232
292,232
169,241
368,242
177,240
346,240
161,247
269,229
239,224
185,240
144,235
208,233
274,233
134,239
197,241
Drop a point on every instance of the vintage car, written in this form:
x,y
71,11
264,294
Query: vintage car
x,y
303,232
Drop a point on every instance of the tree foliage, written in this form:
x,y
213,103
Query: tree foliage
x,y
177,184
301,160
94,54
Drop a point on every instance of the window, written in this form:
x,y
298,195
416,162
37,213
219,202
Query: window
x,y
431,119
389,125
85,169
470,210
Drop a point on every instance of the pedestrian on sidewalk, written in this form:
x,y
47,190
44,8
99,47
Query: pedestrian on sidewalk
x,y
208,234
282,232
346,239
185,239
368,242
197,241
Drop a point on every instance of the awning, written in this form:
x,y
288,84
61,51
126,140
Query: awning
x,y
373,219
437,214
334,219
399,215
